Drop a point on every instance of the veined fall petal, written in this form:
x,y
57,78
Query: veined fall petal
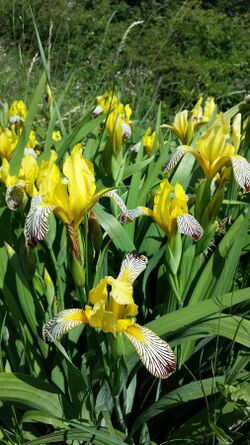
x,y
36,223
155,354
14,195
62,323
241,171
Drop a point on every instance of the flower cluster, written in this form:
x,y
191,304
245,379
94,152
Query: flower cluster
x,y
118,121
68,188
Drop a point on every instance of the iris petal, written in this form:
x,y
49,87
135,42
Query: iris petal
x,y
155,354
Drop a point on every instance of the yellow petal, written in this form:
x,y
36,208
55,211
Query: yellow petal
x,y
109,322
122,325
81,183
180,125
6,178
236,131
179,204
122,291
18,108
99,293
28,173
128,113
114,127
8,142
96,315
208,109
162,202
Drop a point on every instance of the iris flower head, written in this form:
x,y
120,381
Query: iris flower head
x,y
216,149
112,309
186,123
170,211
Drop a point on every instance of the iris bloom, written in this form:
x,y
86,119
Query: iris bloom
x,y
70,196
119,126
56,136
17,112
8,142
105,103
112,309
148,141
24,182
217,148
185,123
170,213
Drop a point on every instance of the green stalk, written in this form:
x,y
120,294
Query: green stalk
x,y
58,280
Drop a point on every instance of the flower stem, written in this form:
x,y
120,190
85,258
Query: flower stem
x,y
59,288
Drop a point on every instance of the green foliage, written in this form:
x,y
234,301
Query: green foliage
x,y
179,51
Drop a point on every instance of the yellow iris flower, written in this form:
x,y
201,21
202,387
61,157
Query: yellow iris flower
x,y
112,309
24,182
148,141
32,141
186,123
56,136
70,196
17,112
217,148
119,126
170,213
8,142
105,103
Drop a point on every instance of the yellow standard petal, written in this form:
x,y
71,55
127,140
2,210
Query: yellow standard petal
x,y
179,204
81,183
29,173
53,189
161,210
8,142
17,109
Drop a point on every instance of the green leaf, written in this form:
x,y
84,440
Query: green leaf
x,y
186,317
17,157
155,171
186,393
235,328
38,416
53,119
85,433
4,264
82,129
114,229
30,307
218,275
131,169
31,392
